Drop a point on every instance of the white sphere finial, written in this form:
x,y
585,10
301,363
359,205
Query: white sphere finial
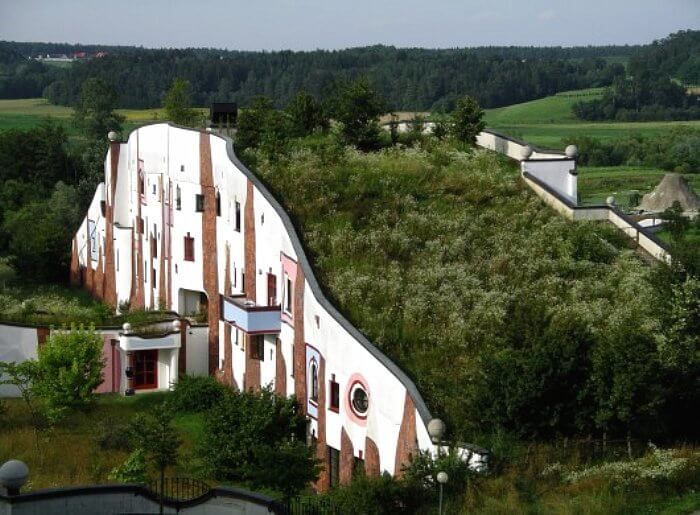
x,y
436,430
442,477
571,151
112,136
126,327
526,152
14,475
176,325
610,200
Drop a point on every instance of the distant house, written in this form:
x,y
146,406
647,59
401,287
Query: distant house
x,y
223,113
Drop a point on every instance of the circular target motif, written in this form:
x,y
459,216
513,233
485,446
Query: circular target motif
x,y
357,399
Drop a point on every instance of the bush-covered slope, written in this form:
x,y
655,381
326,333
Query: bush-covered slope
x,y
504,314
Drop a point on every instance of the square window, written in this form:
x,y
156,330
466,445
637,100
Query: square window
x,y
257,347
334,395
189,248
238,217
288,294
199,203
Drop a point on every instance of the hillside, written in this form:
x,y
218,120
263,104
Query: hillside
x,y
549,122
551,109
408,78
505,315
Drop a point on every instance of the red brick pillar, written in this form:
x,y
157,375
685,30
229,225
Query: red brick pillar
x,y
280,370
372,463
407,444
324,480
347,458
110,286
75,278
209,250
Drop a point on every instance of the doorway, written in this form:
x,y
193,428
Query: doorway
x,y
146,369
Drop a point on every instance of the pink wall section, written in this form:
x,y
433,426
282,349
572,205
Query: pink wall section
x,y
112,369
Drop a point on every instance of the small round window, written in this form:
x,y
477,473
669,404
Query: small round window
x,y
359,399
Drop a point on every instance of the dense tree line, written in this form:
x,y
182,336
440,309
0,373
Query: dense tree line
x,y
47,183
654,87
20,77
675,151
413,79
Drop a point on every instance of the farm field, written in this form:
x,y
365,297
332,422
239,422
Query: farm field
x,y
26,113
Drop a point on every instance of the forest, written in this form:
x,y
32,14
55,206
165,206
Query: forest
x,y
655,84
412,78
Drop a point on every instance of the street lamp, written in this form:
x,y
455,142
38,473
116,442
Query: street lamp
x,y
442,478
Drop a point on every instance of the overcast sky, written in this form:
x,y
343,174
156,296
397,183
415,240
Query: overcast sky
x,y
311,24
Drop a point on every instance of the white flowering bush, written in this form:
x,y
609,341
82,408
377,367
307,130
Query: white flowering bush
x,y
658,468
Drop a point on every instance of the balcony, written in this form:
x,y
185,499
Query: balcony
x,y
249,317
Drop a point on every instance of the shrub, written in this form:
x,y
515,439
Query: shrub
x,y
112,435
251,436
658,469
69,368
197,393
133,470
382,495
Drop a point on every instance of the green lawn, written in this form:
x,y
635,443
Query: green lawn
x,y
552,109
26,113
71,453
548,122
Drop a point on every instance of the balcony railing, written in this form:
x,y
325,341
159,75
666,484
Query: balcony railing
x,y
250,317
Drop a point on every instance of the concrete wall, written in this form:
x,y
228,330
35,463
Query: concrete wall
x,y
553,178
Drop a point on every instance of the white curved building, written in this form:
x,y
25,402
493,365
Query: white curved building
x,y
181,224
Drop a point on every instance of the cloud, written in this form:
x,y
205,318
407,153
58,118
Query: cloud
x,y
547,15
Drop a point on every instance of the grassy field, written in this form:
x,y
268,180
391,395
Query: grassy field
x,y
71,453
553,109
548,122
29,112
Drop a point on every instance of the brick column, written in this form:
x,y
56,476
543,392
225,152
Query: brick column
x,y
347,458
323,482
407,444
209,250
372,462
110,282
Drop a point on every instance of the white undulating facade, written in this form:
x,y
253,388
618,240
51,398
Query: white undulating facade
x,y
180,224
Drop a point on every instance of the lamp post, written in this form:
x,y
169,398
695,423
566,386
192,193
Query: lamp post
x,y
442,478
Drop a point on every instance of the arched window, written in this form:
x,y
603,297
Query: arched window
x,y
313,381
178,198
218,204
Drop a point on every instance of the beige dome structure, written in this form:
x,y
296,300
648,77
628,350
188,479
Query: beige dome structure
x,y
673,187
